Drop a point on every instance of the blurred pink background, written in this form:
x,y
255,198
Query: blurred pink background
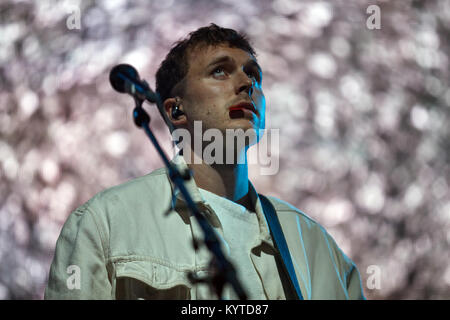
x,y
363,117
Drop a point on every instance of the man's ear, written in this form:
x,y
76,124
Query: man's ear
x,y
170,105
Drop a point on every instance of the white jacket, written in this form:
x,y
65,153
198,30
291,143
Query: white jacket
x,y
121,244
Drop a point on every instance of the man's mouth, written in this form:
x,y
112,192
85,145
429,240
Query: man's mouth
x,y
240,109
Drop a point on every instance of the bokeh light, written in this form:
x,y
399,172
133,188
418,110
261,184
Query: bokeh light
x,y
363,117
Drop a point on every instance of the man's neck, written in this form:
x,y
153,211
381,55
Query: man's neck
x,y
226,180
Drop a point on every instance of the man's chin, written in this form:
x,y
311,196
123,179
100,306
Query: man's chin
x,y
242,123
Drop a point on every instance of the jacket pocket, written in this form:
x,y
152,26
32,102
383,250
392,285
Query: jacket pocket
x,y
140,279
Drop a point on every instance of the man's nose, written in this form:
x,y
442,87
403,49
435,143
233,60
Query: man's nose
x,y
245,84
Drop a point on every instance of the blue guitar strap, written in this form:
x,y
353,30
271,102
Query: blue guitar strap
x,y
281,245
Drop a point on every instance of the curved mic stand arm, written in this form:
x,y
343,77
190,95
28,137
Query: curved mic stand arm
x,y
224,271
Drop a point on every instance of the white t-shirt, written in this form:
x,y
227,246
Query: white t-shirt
x,y
241,232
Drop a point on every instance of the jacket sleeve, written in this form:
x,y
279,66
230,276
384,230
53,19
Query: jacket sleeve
x,y
354,285
78,270
351,280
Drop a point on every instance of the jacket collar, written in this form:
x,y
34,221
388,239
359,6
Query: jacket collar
x,y
179,202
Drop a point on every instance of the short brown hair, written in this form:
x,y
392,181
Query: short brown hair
x,y
175,66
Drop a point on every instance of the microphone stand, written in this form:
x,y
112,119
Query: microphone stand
x,y
223,271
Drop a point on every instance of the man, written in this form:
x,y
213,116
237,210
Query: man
x,y
120,244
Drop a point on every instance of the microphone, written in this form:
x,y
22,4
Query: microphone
x,y
125,79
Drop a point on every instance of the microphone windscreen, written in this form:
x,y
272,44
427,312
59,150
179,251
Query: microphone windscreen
x,y
120,73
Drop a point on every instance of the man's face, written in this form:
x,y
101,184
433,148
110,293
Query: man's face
x,y
218,78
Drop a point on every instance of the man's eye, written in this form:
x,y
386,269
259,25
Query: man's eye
x,y
218,71
254,75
